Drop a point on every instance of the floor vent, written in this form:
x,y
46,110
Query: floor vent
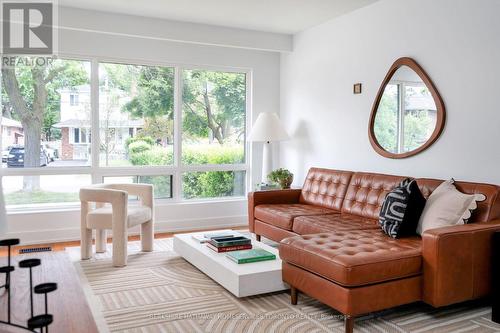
x,y
35,249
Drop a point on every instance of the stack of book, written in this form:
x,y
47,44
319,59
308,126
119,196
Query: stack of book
x,y
231,243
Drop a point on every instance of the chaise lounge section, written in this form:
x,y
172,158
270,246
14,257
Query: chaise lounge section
x,y
333,249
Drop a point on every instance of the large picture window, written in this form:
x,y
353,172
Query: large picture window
x,y
52,189
38,109
213,117
136,115
181,129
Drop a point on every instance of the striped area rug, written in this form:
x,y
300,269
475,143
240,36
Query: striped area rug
x,y
161,292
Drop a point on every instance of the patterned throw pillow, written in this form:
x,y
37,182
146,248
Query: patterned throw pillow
x,y
401,209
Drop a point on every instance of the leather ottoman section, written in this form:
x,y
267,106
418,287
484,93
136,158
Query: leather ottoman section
x,y
354,258
304,225
282,215
354,301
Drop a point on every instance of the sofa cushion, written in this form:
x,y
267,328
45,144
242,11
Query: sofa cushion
x,y
366,193
101,218
354,258
487,210
282,215
447,206
304,225
325,188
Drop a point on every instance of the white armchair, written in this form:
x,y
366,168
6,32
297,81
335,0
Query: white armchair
x,y
118,217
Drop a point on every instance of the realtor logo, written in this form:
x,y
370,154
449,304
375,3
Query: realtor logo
x,y
27,28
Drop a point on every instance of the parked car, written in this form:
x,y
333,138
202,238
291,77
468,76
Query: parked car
x,y
16,157
51,153
5,153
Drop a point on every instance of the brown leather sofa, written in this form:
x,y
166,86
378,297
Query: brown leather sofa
x,y
333,249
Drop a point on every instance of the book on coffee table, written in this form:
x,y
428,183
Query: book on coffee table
x,y
230,241
229,248
248,256
208,236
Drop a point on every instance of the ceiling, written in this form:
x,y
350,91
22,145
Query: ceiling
x,y
280,16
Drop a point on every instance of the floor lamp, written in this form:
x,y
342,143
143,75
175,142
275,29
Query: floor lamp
x,y
267,129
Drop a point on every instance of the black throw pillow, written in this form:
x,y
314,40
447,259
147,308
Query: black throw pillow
x,y
401,209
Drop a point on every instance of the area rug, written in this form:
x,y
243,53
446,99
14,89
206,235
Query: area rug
x,y
161,292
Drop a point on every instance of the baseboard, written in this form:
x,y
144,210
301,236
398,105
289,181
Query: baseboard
x,y
73,234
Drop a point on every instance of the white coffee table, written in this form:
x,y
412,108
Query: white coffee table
x,y
240,279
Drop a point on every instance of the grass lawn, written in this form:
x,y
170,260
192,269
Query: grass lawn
x,y
38,197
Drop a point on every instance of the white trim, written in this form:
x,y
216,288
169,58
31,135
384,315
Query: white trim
x,y
73,234
177,179
71,135
75,206
94,120
248,127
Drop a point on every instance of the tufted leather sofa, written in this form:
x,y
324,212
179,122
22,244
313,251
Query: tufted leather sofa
x,y
333,249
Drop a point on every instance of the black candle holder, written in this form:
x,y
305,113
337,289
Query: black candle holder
x,y
41,321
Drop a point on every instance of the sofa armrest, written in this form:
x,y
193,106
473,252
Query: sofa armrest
x,y
457,262
270,197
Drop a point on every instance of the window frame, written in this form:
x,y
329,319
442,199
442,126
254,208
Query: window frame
x,y
177,169
82,132
74,99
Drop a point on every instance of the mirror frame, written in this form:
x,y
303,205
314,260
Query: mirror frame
x,y
440,117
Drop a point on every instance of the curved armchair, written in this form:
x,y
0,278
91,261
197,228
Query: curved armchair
x,y
118,216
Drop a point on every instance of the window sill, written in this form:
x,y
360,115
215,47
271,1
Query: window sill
x,y
72,207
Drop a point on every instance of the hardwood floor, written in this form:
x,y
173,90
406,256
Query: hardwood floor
x,y
67,303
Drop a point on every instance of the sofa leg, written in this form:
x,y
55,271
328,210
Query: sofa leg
x,y
257,237
349,323
293,295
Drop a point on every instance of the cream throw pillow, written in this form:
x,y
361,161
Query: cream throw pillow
x,y
447,206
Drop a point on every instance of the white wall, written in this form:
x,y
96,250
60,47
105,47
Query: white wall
x,y
158,29
456,41
84,41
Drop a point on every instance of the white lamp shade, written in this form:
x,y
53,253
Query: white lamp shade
x,y
268,127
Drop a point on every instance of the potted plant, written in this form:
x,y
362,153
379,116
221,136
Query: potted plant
x,y
281,176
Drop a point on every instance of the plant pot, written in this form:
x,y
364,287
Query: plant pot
x,y
286,183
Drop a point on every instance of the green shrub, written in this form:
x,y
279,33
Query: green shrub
x,y
149,140
198,184
213,184
156,155
212,154
138,146
162,185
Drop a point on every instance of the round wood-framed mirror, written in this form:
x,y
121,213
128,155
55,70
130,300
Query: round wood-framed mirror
x,y
408,114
